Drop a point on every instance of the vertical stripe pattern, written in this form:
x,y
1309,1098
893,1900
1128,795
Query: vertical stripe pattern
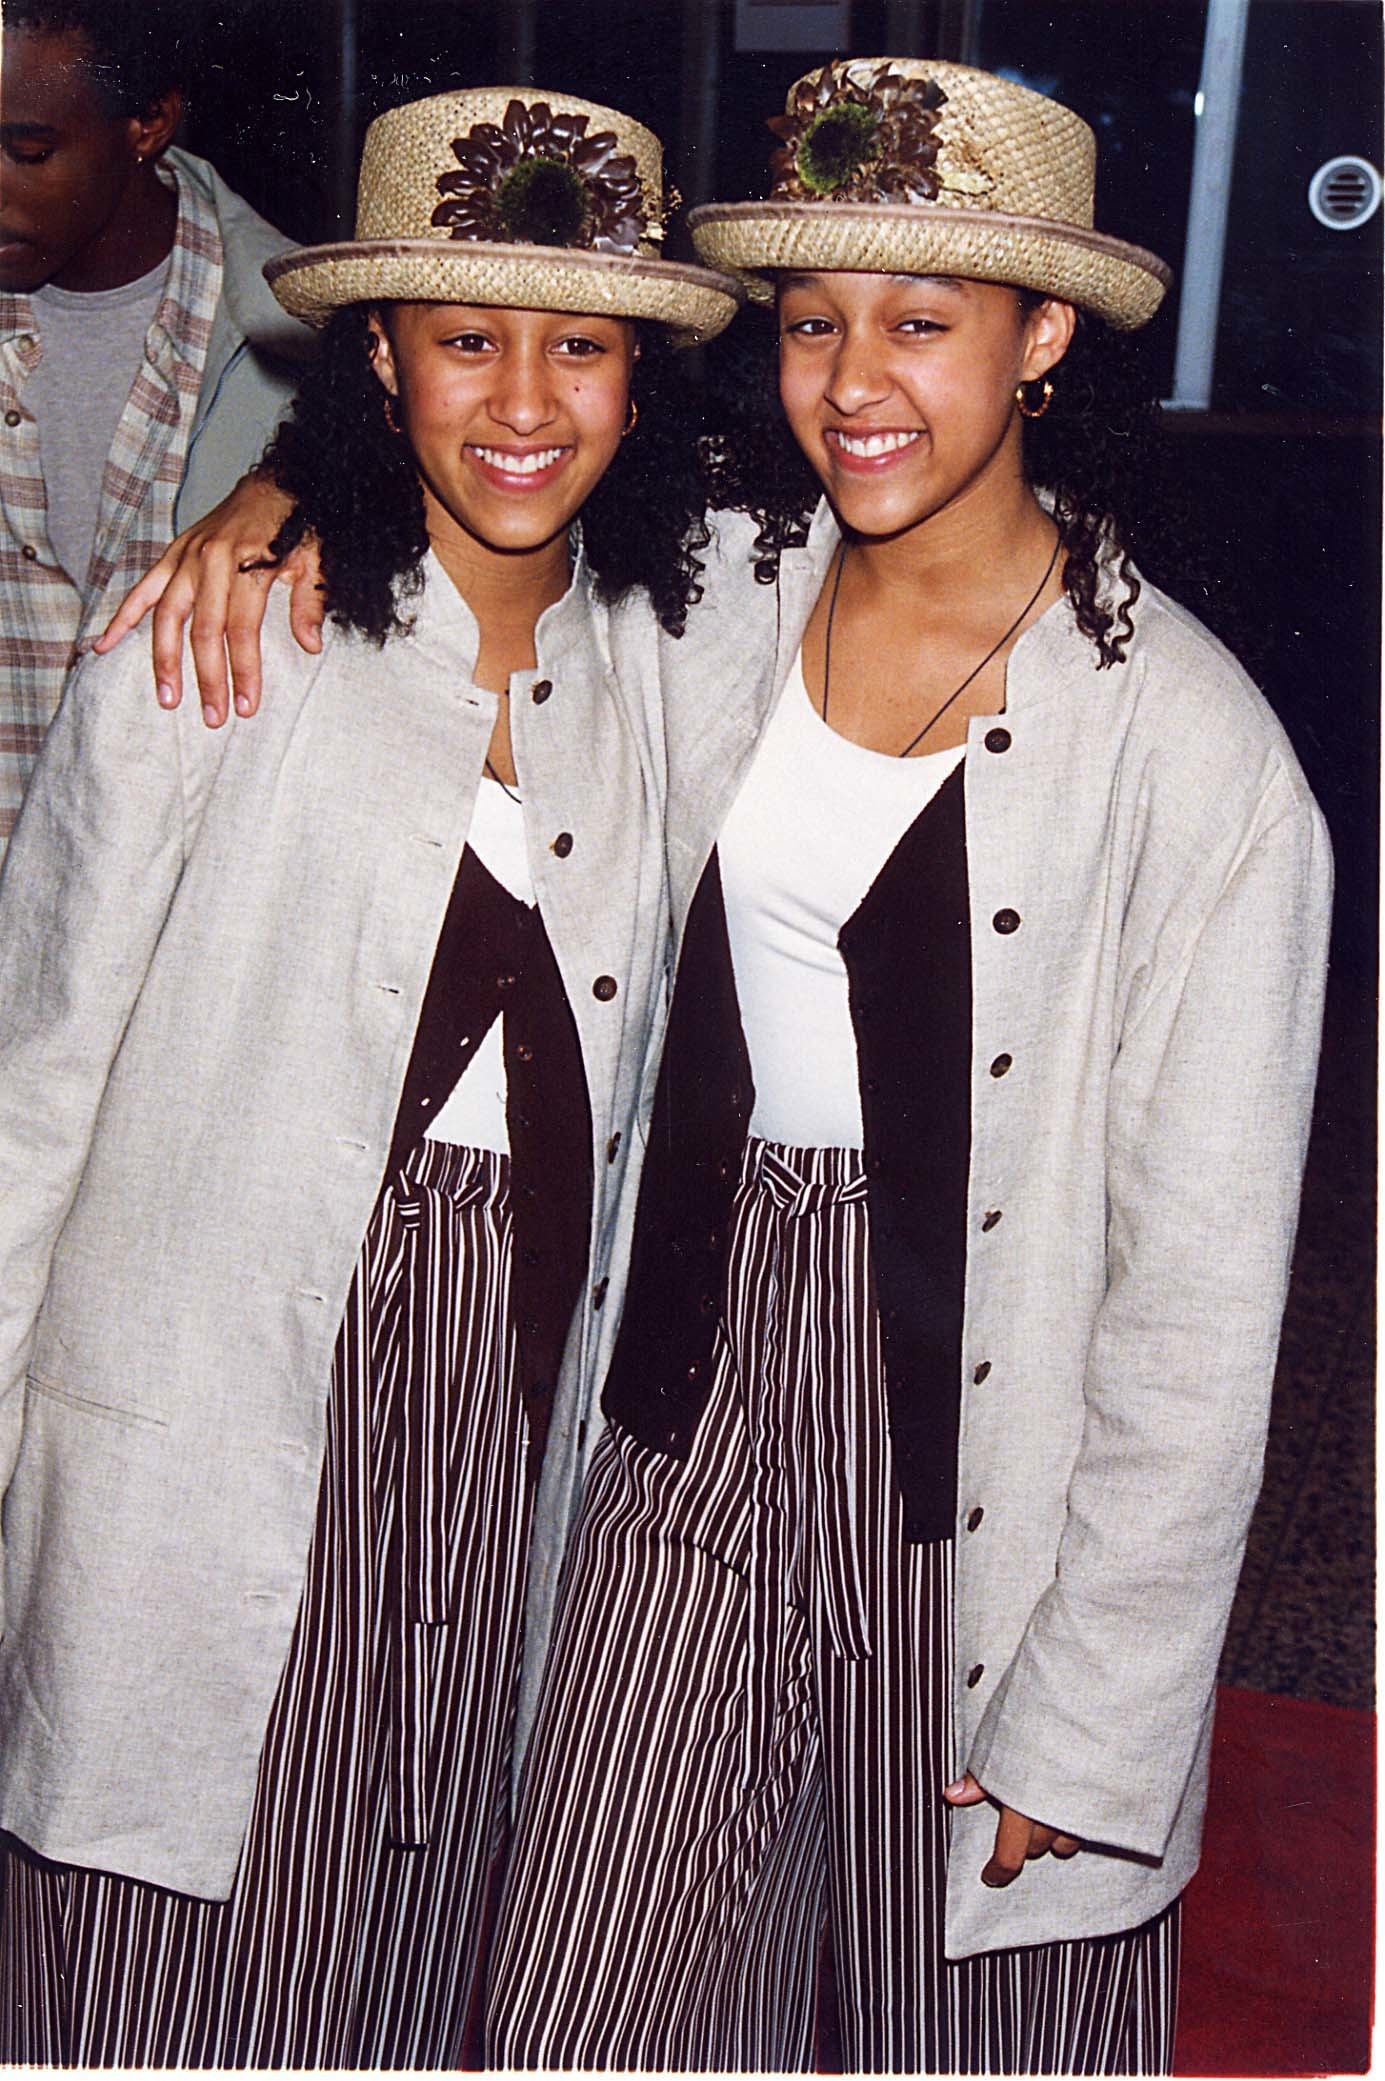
x,y
746,1727
339,1947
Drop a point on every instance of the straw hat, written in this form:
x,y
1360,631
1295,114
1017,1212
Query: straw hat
x,y
510,196
915,166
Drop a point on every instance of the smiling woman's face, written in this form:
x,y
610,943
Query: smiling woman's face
x,y
513,416
900,389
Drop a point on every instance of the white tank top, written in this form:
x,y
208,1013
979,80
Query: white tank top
x,y
474,1113
815,822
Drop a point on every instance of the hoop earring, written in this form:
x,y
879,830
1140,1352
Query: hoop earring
x,y
632,420
391,422
1028,411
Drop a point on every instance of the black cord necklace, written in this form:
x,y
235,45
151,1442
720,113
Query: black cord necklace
x,y
501,783
999,644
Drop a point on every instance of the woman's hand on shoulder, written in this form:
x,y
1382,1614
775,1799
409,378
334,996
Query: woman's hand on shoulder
x,y
1017,1838
217,576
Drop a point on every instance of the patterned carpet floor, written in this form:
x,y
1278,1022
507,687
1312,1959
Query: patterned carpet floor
x,y
1303,1621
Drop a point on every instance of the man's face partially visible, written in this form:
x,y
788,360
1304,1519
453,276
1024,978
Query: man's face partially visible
x,y
64,163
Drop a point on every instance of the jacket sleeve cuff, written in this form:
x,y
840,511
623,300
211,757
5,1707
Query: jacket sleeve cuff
x,y
1058,1747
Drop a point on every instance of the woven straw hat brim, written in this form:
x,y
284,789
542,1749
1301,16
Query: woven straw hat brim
x,y
693,302
1122,283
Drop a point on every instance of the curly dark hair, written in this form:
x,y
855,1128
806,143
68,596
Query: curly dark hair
x,y
1097,450
137,49
642,525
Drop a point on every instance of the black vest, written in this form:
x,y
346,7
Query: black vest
x,y
493,955
907,951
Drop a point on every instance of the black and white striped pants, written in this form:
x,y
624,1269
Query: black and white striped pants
x,y
338,1947
745,1730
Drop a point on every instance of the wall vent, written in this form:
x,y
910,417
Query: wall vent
x,y
1344,193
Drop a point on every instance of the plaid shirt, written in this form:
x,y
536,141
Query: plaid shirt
x,y
46,616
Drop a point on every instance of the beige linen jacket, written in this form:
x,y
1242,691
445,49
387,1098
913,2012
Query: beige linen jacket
x,y
213,952
1161,999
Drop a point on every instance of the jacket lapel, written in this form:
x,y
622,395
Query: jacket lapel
x,y
721,683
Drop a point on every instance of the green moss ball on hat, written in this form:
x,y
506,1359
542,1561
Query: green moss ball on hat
x,y
918,166
515,197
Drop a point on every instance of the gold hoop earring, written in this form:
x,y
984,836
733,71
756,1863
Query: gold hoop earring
x,y
1028,411
391,422
632,420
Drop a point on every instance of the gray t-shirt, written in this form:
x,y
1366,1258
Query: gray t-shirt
x,y
93,344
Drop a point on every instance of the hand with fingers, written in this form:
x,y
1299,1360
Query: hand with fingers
x,y
217,576
1017,1838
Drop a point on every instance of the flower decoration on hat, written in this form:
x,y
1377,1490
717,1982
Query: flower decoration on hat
x,y
874,139
538,179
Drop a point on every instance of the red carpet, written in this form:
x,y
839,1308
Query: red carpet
x,y
1277,1931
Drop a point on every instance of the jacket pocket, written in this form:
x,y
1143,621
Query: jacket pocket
x,y
49,1391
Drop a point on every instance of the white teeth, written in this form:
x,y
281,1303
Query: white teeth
x,y
519,465
869,445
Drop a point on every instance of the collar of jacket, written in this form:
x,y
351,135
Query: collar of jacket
x,y
441,616
250,311
1045,658
722,680
248,324
247,310
247,242
742,642
437,661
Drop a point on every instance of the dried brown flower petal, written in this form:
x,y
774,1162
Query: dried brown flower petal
x,y
539,179
859,140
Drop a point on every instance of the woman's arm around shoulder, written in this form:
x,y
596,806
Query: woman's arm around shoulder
x,y
212,586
